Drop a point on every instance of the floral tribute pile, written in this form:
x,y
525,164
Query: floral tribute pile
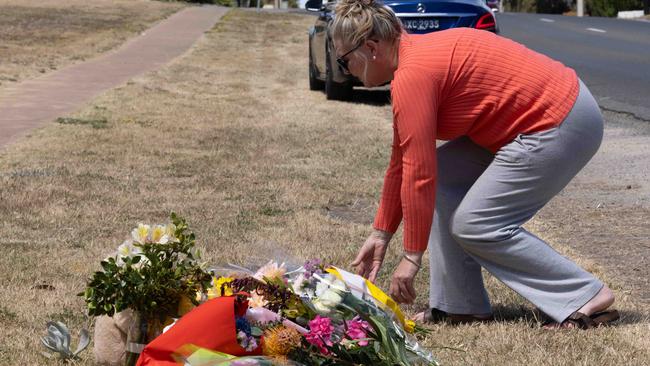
x,y
310,315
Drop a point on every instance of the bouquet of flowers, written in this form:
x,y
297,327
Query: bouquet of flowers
x,y
152,273
313,315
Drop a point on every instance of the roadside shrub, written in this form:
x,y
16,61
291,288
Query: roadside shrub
x,y
610,8
217,2
552,6
597,8
600,8
520,6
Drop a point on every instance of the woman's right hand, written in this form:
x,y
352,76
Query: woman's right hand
x,y
371,255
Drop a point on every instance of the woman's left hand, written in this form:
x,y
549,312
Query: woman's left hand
x,y
401,285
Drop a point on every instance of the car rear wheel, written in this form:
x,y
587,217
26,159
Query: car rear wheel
x,y
334,90
314,82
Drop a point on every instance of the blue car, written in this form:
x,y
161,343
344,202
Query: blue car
x,y
417,17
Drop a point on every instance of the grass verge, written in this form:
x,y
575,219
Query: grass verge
x,y
229,137
37,37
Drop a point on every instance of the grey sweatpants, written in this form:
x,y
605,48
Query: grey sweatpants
x,y
483,199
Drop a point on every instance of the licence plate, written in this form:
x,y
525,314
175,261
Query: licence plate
x,y
421,24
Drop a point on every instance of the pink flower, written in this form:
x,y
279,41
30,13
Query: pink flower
x,y
357,329
320,333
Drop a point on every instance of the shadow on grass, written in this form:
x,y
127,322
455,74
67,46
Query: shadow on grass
x,y
512,313
378,97
631,317
535,318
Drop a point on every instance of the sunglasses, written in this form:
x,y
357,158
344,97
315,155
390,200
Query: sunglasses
x,y
343,63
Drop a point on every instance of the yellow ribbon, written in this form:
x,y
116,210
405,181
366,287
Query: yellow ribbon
x,y
381,296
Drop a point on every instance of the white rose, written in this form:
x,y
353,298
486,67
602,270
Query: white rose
x,y
329,282
331,298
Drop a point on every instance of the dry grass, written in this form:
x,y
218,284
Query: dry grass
x,y
229,137
40,36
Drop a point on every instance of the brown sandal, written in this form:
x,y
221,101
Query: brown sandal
x,y
581,321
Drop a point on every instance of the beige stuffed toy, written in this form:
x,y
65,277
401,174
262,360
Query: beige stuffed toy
x,y
110,338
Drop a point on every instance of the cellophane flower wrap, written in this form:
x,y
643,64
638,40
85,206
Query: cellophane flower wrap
x,y
312,315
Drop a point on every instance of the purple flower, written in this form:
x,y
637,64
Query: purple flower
x,y
249,343
320,333
358,329
312,266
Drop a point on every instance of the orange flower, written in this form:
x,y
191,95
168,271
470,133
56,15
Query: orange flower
x,y
279,341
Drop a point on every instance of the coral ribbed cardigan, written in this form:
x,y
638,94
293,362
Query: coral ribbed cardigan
x,y
461,82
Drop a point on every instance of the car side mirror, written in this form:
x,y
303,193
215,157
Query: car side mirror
x,y
314,5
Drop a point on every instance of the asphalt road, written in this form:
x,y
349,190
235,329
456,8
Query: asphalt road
x,y
604,214
612,56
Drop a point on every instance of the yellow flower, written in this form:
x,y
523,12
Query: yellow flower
x,y
279,341
222,287
170,232
409,326
140,233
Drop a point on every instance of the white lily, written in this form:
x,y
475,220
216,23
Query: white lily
x,y
159,234
127,250
140,233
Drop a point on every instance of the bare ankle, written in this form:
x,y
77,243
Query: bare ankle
x,y
603,299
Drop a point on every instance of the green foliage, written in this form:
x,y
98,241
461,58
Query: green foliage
x,y
94,123
223,2
151,282
610,8
217,2
552,6
520,6
600,8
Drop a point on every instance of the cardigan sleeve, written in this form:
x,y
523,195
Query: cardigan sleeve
x,y
389,214
410,182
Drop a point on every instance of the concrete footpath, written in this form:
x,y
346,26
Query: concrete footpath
x,y
33,103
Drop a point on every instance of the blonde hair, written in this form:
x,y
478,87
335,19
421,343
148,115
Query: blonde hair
x,y
358,20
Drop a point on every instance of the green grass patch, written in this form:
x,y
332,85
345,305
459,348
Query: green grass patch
x,y
94,123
